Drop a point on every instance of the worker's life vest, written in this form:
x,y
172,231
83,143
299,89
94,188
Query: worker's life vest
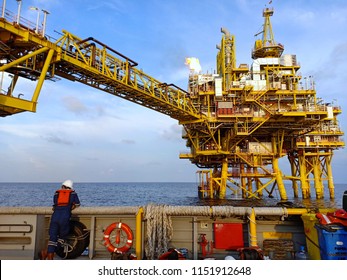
x,y
63,197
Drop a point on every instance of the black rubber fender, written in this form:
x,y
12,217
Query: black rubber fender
x,y
76,242
344,201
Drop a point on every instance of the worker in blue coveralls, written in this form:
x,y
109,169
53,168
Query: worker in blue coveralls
x,y
65,200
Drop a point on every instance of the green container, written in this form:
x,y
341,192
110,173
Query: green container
x,y
311,236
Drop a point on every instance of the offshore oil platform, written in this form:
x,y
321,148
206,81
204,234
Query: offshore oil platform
x,y
238,123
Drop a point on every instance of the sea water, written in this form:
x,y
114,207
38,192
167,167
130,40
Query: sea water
x,y
140,194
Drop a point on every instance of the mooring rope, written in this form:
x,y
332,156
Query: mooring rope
x,y
159,230
188,210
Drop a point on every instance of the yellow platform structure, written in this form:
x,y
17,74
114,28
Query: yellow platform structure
x,y
237,123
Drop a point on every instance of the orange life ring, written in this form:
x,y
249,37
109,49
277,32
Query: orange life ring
x,y
112,246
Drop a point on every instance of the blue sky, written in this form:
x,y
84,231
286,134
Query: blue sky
x,y
89,136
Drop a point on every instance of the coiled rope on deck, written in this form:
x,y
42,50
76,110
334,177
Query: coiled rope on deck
x,y
159,230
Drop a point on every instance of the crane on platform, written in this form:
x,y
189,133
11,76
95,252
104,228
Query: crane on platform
x,y
237,123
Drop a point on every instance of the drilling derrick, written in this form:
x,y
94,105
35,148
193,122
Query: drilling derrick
x,y
267,47
256,116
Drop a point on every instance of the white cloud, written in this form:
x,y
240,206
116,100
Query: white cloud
x,y
74,104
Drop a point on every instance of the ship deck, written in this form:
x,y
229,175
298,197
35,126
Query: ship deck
x,y
202,231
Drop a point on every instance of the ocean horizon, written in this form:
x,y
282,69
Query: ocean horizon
x,y
98,194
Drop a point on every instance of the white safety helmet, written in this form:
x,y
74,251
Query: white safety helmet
x,y
68,184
